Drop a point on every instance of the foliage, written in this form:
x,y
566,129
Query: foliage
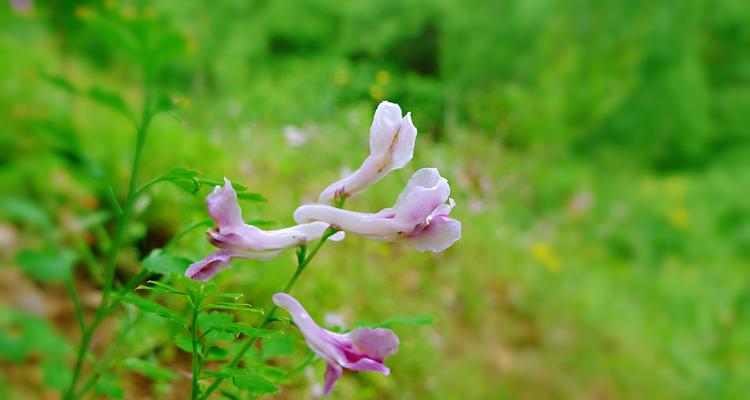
x,y
597,152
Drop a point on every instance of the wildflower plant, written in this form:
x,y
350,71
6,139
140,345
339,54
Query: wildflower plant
x,y
201,318
420,218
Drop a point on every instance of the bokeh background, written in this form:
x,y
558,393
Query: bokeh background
x,y
597,151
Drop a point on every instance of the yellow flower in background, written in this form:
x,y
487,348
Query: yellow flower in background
x,y
192,44
383,77
127,12
110,4
341,77
82,12
543,253
150,12
376,92
679,217
675,187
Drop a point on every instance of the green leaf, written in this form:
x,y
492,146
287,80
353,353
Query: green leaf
x,y
24,211
165,263
181,173
153,308
56,373
184,178
246,379
237,327
108,387
47,265
250,196
115,32
184,342
225,305
60,82
159,287
215,353
109,99
229,395
149,369
254,383
164,103
24,335
211,182
232,296
213,319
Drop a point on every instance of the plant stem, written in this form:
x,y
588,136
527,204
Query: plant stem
x,y
194,337
302,263
89,260
185,231
102,365
122,221
76,302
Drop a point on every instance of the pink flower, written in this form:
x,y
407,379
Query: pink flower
x,y
21,6
420,216
239,240
392,139
362,349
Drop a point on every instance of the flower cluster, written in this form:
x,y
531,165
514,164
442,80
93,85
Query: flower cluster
x,y
419,218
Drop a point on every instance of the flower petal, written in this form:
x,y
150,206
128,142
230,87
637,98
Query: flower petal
x,y
403,148
361,350
386,124
206,268
250,238
223,207
377,343
392,140
439,235
300,316
425,192
333,373
367,224
218,261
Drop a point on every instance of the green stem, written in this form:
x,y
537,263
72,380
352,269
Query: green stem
x,y
103,364
176,238
76,302
309,360
194,337
89,260
111,196
122,221
130,285
302,263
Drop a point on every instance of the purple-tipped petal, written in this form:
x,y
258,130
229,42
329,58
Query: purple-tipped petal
x,y
439,235
425,192
420,215
223,207
206,268
360,350
333,373
377,343
366,364
237,239
218,261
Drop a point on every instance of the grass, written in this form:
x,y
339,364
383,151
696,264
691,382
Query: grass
x,y
580,274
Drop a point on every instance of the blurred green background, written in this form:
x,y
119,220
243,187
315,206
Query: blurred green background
x,y
597,151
